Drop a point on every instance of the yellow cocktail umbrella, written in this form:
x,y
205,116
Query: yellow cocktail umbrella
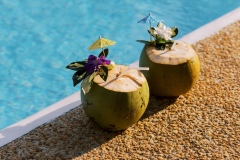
x,y
100,43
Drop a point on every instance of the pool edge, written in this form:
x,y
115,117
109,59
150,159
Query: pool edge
x,y
59,108
46,115
210,28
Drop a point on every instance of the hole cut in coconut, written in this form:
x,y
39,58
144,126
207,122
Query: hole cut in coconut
x,y
122,79
179,53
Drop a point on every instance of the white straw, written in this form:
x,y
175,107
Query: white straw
x,y
137,68
175,42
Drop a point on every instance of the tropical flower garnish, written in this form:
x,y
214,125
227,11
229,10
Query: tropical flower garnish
x,y
94,62
89,68
92,67
162,35
163,32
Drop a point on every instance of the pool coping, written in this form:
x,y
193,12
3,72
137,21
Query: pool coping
x,y
59,108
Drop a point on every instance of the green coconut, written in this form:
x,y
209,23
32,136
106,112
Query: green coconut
x,y
119,102
172,72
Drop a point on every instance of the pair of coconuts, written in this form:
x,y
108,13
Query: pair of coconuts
x,y
120,101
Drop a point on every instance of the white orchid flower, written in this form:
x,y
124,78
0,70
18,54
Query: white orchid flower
x,y
163,31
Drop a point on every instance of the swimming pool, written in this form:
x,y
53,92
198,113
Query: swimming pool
x,y
39,38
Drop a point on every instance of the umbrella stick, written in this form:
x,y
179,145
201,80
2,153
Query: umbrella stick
x,y
150,34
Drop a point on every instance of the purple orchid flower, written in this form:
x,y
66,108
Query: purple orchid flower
x,y
94,62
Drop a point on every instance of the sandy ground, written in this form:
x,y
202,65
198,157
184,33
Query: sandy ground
x,y
202,124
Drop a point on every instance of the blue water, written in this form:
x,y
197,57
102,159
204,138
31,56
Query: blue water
x,y
38,38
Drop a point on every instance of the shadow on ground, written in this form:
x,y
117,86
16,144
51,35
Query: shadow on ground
x,y
93,136
71,135
157,104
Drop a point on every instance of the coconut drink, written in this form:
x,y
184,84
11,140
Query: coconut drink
x,y
114,96
171,72
174,66
118,102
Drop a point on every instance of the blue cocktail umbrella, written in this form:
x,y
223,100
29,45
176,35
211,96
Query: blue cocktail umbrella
x,y
149,19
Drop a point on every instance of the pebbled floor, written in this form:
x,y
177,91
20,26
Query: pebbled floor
x,y
202,124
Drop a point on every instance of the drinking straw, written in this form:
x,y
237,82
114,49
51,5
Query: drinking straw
x,y
137,68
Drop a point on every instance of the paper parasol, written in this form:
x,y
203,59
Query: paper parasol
x,y
149,19
100,43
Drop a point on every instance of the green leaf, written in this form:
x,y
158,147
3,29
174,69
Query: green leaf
x,y
169,42
103,72
160,46
174,32
78,77
160,41
76,65
151,32
105,52
146,42
85,61
91,78
86,86
159,24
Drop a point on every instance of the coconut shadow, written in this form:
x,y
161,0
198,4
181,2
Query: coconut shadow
x,y
157,104
68,136
90,136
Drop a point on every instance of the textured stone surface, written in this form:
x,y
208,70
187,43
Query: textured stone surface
x,y
202,124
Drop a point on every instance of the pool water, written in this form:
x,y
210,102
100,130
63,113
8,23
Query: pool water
x,y
39,38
